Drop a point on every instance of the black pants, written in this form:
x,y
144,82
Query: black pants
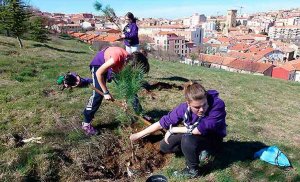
x,y
190,146
95,100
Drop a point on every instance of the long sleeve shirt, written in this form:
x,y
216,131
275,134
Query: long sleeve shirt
x,y
213,121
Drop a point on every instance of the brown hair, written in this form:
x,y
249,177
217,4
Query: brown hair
x,y
194,91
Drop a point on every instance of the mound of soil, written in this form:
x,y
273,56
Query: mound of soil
x,y
122,161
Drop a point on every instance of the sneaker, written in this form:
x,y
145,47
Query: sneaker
x,y
187,173
204,155
89,130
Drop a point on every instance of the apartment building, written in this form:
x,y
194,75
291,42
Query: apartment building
x,y
64,28
285,32
169,41
194,35
194,20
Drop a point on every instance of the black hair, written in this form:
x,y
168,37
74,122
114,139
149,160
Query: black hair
x,y
70,79
137,59
131,17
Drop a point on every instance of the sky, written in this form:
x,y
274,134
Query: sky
x,y
170,9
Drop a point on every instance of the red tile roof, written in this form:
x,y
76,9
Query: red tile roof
x,y
239,47
90,36
166,33
107,38
245,37
292,65
78,34
221,60
265,51
245,56
205,40
223,39
251,66
109,31
260,35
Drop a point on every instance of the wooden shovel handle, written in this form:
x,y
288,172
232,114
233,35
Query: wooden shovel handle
x,y
118,103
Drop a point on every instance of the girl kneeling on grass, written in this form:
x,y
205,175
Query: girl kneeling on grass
x,y
203,115
108,60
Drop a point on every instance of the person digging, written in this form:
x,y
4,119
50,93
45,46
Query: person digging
x,y
203,115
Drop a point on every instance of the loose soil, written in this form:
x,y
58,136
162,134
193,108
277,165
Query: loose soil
x,y
120,162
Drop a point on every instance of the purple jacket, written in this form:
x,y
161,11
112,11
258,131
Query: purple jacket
x,y
213,121
84,82
131,34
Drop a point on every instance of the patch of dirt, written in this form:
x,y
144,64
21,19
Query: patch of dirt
x,y
148,87
118,161
12,140
49,92
161,86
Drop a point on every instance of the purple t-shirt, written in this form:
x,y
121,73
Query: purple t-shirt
x,y
213,121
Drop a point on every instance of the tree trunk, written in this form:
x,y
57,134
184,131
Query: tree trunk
x,y
7,33
20,42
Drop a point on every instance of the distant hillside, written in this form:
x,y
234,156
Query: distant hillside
x,y
260,111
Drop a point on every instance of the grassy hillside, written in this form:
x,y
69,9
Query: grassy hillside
x,y
260,111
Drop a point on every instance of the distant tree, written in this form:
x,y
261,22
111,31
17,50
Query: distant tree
x,y
4,13
145,43
203,48
165,55
38,32
193,57
14,18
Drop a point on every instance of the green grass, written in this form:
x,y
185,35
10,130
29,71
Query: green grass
x,y
260,111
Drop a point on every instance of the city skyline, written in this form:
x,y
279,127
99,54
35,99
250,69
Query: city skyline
x,y
172,9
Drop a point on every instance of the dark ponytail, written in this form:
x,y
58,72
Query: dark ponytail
x,y
138,59
131,17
